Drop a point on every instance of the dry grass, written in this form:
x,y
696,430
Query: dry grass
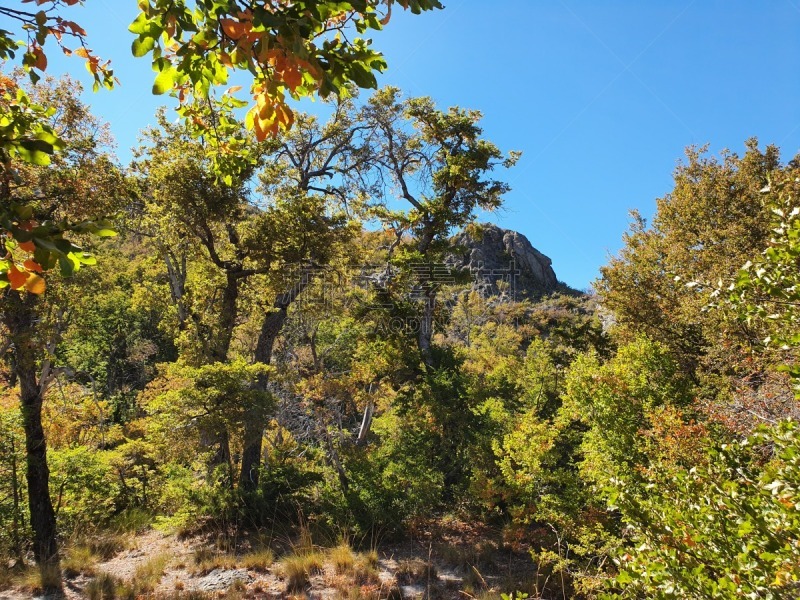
x,y
365,570
107,545
481,555
145,579
102,587
34,580
258,560
415,570
149,574
297,569
342,559
206,560
369,592
78,560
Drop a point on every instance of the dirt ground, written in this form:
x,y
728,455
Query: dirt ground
x,y
455,561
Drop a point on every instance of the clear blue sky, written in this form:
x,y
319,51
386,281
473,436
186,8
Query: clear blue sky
x,y
601,97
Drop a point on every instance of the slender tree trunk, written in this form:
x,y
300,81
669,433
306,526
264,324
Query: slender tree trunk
x,y
219,353
228,314
425,333
254,427
16,496
20,320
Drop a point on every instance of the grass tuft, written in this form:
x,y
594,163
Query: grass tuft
x,y
258,560
342,559
297,569
78,560
102,587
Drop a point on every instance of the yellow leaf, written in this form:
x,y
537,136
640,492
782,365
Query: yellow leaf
x,y
35,284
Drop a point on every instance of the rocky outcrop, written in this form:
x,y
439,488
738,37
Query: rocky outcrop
x,y
500,260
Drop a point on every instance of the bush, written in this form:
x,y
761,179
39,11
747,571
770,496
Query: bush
x,y
724,529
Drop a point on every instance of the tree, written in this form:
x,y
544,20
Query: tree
x,y
766,289
277,41
438,164
234,238
703,232
52,198
297,49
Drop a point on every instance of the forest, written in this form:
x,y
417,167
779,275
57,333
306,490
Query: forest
x,y
255,363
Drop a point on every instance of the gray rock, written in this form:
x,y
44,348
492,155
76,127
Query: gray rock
x,y
221,579
503,261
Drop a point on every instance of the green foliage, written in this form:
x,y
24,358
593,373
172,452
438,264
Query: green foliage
x,y
84,488
13,508
726,528
767,288
295,50
618,401
397,479
187,401
704,230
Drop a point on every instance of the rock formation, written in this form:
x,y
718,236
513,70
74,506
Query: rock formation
x,y
502,261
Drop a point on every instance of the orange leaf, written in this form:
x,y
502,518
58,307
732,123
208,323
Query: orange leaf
x,y
82,52
32,266
292,77
76,29
16,277
35,284
170,28
27,246
234,29
41,59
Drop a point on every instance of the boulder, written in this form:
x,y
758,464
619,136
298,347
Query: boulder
x,y
502,261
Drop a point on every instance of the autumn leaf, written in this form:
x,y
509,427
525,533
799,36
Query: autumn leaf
x,y
32,265
74,27
40,60
27,246
16,277
35,284
234,29
292,77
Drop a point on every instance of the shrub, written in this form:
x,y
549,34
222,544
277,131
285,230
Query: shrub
x,y
724,529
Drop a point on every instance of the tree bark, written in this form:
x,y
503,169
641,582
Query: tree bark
x,y
425,333
19,317
254,427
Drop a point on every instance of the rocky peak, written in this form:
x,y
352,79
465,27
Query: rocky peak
x,y
495,255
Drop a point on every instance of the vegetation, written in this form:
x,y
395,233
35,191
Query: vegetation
x,y
266,350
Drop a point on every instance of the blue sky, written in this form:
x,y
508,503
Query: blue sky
x,y
601,97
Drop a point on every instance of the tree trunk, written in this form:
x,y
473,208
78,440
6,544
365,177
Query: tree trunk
x,y
16,497
254,427
425,333
219,347
20,320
